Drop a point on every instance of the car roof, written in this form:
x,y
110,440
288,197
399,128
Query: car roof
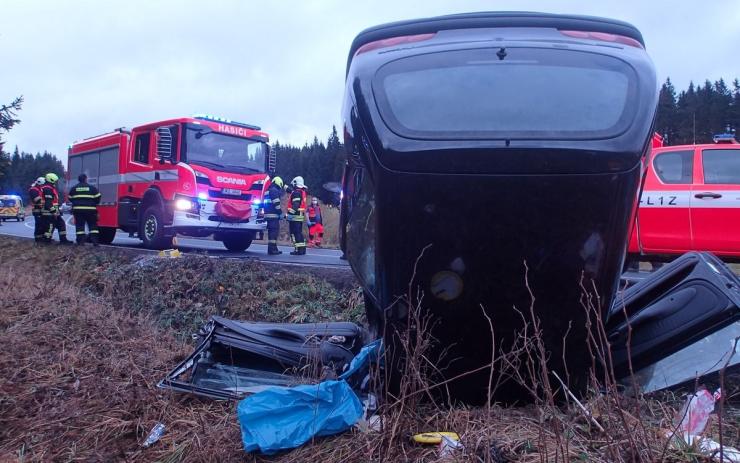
x,y
492,19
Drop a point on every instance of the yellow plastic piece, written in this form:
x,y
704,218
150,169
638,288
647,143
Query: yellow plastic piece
x,y
434,437
169,253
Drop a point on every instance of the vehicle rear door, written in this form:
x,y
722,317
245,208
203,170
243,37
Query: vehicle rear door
x,y
664,224
715,201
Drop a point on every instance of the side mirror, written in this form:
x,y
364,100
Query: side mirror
x,y
271,160
165,145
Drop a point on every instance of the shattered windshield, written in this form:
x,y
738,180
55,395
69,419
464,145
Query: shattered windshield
x,y
223,152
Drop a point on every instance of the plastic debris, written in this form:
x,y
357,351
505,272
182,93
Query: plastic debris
x,y
436,437
170,253
449,446
710,447
154,435
284,418
693,417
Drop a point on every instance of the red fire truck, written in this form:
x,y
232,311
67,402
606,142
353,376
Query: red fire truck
x,y
690,201
194,176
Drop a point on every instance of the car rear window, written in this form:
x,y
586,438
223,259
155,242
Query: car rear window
x,y
531,93
721,166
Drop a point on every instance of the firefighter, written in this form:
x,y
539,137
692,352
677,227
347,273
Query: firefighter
x,y
315,224
273,212
85,199
297,215
52,215
37,205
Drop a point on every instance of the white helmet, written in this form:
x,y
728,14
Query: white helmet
x,y
298,182
40,181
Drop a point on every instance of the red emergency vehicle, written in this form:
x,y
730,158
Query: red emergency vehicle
x,y
194,176
690,201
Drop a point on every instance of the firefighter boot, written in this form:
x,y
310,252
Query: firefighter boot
x,y
299,251
273,250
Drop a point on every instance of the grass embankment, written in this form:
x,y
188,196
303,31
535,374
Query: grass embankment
x,y
88,334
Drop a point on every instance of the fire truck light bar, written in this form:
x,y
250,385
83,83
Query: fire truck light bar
x,y
208,117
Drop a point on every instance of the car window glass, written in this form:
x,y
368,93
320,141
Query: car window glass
x,y
675,167
473,94
141,150
721,166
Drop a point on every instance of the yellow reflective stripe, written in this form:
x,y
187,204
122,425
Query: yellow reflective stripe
x,y
93,231
272,216
300,245
74,208
84,196
272,241
80,233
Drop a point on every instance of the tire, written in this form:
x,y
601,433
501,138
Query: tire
x,y
238,242
151,229
106,235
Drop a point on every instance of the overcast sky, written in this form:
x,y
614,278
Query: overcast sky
x,y
86,67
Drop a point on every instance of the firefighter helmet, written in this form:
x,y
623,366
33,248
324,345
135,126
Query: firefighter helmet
x,y
278,181
40,181
298,182
52,177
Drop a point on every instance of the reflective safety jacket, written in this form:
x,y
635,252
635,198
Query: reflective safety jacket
x,y
51,199
84,197
297,206
37,198
273,209
314,214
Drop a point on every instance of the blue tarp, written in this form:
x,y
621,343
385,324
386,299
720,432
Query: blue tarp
x,y
281,418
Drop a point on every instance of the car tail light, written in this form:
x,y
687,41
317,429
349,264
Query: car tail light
x,y
393,41
604,37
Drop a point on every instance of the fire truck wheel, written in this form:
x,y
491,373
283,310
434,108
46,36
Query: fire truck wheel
x,y
151,230
237,242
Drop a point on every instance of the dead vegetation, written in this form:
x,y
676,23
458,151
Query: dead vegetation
x,y
85,344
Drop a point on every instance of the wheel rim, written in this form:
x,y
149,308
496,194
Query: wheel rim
x,y
150,227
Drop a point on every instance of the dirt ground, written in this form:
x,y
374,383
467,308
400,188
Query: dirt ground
x,y
87,335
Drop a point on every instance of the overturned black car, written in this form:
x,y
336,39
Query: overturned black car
x,y
484,149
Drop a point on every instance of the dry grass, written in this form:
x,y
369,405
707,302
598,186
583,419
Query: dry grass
x,y
85,344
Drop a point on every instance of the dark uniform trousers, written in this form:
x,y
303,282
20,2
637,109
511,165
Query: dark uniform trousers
x,y
296,233
87,218
39,225
273,230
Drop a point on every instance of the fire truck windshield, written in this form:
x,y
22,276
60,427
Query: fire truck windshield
x,y
223,152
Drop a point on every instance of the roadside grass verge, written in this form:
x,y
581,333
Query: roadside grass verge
x,y
89,333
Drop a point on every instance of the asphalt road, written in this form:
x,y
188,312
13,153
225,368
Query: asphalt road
x,y
314,257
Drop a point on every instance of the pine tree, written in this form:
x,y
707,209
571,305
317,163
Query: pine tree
x,y
8,119
665,120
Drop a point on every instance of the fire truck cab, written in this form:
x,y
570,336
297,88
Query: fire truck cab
x,y
690,201
195,176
